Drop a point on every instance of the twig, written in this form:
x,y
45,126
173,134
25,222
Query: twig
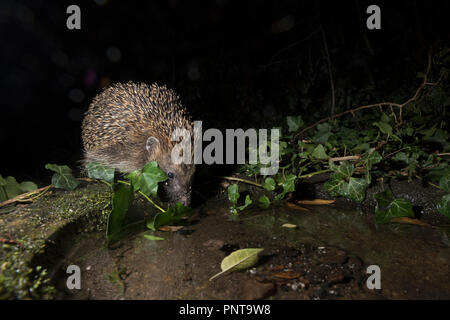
x,y
24,195
243,181
355,157
309,175
330,73
9,241
380,104
430,183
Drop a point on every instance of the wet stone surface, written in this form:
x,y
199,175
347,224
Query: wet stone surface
x,y
324,257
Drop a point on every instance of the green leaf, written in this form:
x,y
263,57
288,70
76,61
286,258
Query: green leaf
x,y
335,187
99,171
170,217
134,178
384,127
248,201
150,177
443,205
388,208
345,170
233,193
383,199
12,188
294,123
323,133
402,208
153,238
444,183
269,184
121,199
356,189
27,186
319,152
147,179
63,177
264,202
239,260
370,159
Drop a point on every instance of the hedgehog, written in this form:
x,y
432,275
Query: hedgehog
x,y
130,124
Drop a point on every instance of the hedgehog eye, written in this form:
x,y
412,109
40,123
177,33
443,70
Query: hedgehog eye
x,y
170,175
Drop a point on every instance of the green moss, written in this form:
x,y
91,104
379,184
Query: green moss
x,y
31,226
20,281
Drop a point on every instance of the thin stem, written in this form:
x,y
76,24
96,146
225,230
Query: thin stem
x,y
144,195
309,175
430,183
243,181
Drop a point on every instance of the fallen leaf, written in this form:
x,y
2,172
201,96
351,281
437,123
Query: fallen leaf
x,y
316,201
407,220
287,275
294,206
239,260
170,228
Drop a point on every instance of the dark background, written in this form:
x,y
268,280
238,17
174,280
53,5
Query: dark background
x,y
235,64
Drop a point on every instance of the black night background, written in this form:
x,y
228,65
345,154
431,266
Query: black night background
x,y
363,186
235,64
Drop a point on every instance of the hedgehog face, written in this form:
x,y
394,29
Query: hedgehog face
x,y
177,187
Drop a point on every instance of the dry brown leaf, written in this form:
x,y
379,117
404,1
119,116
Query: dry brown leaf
x,y
170,228
278,268
287,275
294,206
407,220
316,201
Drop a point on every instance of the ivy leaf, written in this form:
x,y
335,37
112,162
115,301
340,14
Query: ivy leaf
x,y
10,188
345,170
288,185
323,133
383,199
388,208
233,193
444,183
294,123
99,171
402,208
384,127
27,186
269,184
63,177
443,205
319,152
121,199
356,189
370,159
148,178
171,216
335,187
134,178
264,202
248,201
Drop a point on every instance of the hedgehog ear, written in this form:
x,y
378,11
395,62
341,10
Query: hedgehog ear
x,y
152,144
